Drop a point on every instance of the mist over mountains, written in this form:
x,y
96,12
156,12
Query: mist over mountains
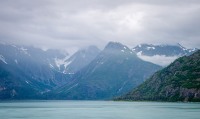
x,y
161,54
113,72
32,73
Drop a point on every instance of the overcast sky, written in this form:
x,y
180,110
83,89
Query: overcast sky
x,y
78,23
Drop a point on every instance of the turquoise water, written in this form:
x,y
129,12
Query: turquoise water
x,y
98,110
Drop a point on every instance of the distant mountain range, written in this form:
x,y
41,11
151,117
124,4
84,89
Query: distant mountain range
x,y
32,73
161,54
28,72
113,72
167,50
180,81
25,72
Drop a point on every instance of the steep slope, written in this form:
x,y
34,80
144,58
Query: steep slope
x,y
78,60
161,54
113,72
25,72
180,81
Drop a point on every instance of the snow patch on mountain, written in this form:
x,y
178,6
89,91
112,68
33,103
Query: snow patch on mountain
x,y
139,53
3,59
192,50
60,62
24,50
148,48
27,82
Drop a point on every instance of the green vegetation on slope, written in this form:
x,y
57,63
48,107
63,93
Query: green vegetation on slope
x,y
180,81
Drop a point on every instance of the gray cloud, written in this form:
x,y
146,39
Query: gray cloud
x,y
79,23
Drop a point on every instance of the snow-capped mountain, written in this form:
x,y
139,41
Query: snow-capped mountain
x,y
15,54
72,64
25,72
114,71
55,59
30,71
161,54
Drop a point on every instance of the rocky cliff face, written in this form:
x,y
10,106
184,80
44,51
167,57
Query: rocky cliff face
x,y
180,81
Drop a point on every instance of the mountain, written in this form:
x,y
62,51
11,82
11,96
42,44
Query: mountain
x,y
29,72
161,54
180,81
114,71
77,61
25,72
167,50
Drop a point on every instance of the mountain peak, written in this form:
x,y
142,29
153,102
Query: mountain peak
x,y
115,45
92,48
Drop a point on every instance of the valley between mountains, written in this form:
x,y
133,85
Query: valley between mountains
x,y
144,72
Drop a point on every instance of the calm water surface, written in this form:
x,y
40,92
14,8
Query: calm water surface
x,y
98,110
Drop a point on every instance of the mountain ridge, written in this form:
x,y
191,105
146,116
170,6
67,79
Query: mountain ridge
x,y
32,73
113,72
29,72
167,50
161,55
177,82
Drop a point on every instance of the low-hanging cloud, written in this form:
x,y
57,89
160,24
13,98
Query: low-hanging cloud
x,y
79,23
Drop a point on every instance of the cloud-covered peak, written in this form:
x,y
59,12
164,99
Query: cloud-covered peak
x,y
115,45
